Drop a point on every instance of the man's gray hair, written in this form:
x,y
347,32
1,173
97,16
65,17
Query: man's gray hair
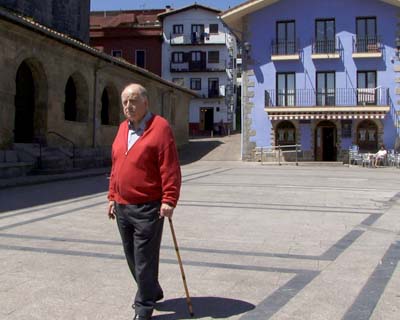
x,y
140,89
143,92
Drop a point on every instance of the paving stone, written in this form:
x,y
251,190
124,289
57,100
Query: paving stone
x,y
257,242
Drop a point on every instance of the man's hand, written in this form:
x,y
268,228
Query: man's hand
x,y
111,210
166,210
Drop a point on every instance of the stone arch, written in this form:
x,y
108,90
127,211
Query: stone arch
x,y
76,103
31,97
110,106
285,133
367,136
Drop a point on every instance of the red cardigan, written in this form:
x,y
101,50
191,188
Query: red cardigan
x,y
150,170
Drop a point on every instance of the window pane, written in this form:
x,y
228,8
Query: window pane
x,y
371,80
320,82
361,32
213,28
330,30
291,32
371,25
330,79
213,56
361,81
320,30
281,82
281,31
290,82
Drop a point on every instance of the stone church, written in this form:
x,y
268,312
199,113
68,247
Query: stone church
x,y
56,90
67,16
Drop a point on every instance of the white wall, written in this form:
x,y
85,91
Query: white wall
x,y
205,17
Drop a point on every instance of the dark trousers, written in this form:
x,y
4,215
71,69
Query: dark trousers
x,y
141,228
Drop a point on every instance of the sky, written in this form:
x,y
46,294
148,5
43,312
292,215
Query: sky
x,y
99,5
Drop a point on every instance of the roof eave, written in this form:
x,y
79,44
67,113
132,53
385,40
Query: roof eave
x,y
192,6
233,17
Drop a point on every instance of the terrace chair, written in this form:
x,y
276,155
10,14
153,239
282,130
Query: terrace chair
x,y
391,158
355,156
367,160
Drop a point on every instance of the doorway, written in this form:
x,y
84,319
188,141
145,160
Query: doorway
x,y
325,141
206,119
24,105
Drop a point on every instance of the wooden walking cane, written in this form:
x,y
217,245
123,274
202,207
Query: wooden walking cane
x,y
188,301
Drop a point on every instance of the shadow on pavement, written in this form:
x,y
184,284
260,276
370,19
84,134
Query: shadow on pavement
x,y
195,150
33,195
210,307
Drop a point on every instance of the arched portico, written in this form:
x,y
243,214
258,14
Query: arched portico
x,y
30,121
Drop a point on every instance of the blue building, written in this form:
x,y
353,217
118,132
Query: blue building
x,y
319,73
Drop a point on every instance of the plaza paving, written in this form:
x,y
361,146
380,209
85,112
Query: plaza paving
x,y
257,242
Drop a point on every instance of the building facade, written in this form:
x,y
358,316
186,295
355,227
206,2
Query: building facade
x,y
134,35
198,53
318,74
53,86
68,16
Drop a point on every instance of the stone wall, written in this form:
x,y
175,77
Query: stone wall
x,y
52,63
67,16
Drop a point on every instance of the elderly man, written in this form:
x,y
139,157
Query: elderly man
x,y
144,188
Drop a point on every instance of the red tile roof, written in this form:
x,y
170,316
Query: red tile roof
x,y
133,18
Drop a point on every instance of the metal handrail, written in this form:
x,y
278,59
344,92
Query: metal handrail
x,y
65,139
297,149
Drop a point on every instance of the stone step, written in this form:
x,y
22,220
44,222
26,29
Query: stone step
x,y
15,169
50,171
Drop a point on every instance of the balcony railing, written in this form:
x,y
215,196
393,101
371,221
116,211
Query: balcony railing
x,y
370,44
334,97
214,93
197,38
325,47
198,66
284,47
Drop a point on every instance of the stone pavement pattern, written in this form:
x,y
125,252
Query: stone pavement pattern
x,y
258,242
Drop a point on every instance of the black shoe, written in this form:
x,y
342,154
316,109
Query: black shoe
x,y
137,317
160,296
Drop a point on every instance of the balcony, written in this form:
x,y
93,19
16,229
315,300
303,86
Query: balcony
x,y
367,47
342,103
284,50
325,49
198,66
196,38
341,97
214,93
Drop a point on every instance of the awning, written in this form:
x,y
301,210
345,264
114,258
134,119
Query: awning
x,y
329,116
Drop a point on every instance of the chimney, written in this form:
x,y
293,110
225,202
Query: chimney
x,y
168,8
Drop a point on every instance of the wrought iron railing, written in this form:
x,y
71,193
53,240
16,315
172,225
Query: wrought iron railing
x,y
368,44
198,66
213,93
284,47
196,38
325,46
331,97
